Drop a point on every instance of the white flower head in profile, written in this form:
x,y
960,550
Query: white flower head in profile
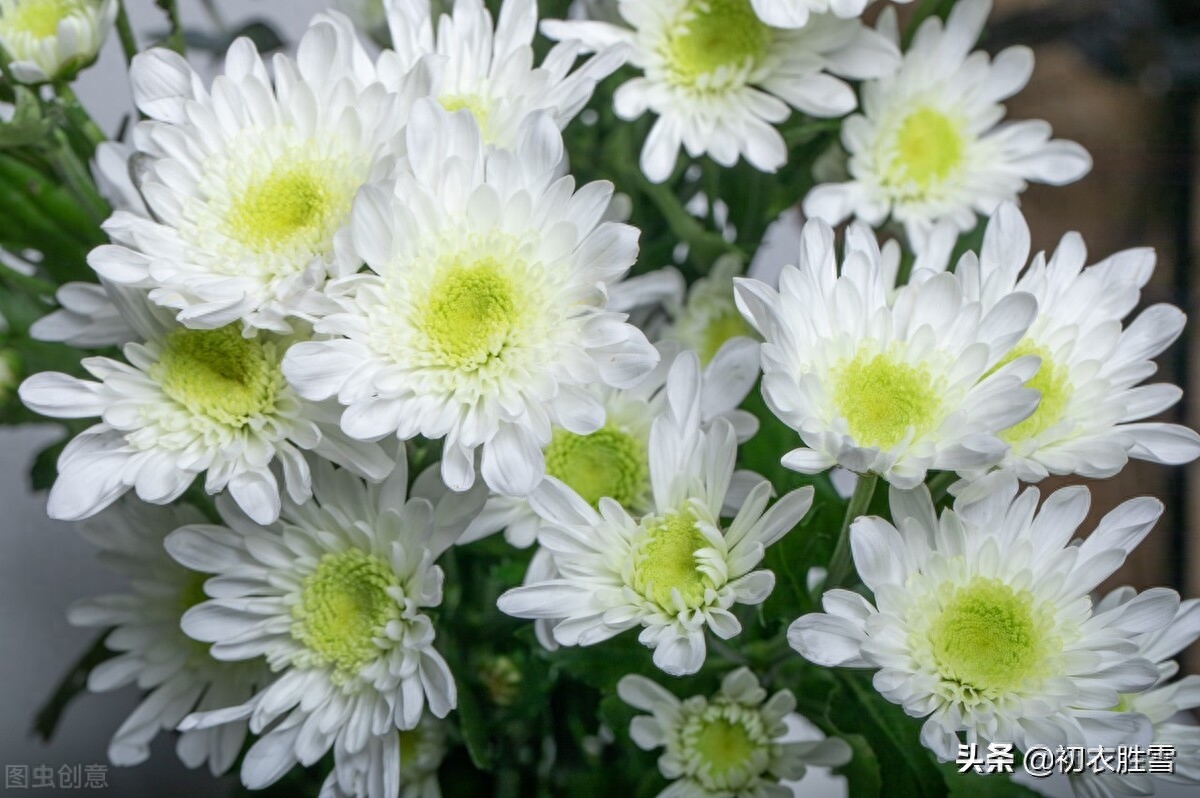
x,y
719,77
485,320
981,619
334,596
250,185
486,66
676,570
614,461
1165,703
1089,420
152,652
51,40
402,764
928,144
891,386
182,403
727,745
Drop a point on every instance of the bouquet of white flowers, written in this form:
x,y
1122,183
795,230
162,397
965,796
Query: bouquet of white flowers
x,y
452,447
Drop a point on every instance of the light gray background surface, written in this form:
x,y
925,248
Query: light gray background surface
x,y
45,566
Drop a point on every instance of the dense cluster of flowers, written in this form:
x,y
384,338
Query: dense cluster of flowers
x,y
363,294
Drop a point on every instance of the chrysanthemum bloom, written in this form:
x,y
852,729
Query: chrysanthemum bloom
x,y
186,402
375,772
153,652
250,186
1162,704
726,746
614,460
51,40
334,597
893,387
707,318
485,320
928,144
675,570
795,13
981,619
1089,419
719,78
487,67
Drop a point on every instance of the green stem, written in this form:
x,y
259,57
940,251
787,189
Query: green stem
x,y
174,39
705,245
125,33
75,176
78,116
842,562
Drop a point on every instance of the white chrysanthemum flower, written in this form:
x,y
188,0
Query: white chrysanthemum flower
x,y
334,597
893,388
51,40
795,13
153,652
251,185
982,620
928,144
708,318
675,570
365,774
728,745
1089,419
720,78
186,402
487,67
1162,703
485,322
614,461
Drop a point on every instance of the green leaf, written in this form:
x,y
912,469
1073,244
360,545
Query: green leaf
x,y
72,684
856,708
977,785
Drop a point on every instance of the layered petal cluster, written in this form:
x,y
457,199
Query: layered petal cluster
x,y
334,596
1164,703
184,402
894,383
720,78
484,320
420,750
1090,419
928,144
728,745
177,675
614,461
675,570
487,67
981,619
795,13
250,185
51,40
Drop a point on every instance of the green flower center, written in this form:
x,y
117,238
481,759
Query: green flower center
x,y
473,312
929,147
473,103
665,560
220,374
725,326
39,18
609,462
344,608
882,398
1052,381
725,745
713,34
292,204
989,638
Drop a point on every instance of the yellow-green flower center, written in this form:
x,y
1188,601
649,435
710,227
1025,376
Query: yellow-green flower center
x,y
293,204
609,462
220,374
474,103
929,147
665,560
882,398
473,311
712,34
1052,381
39,18
725,745
989,638
723,327
344,609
